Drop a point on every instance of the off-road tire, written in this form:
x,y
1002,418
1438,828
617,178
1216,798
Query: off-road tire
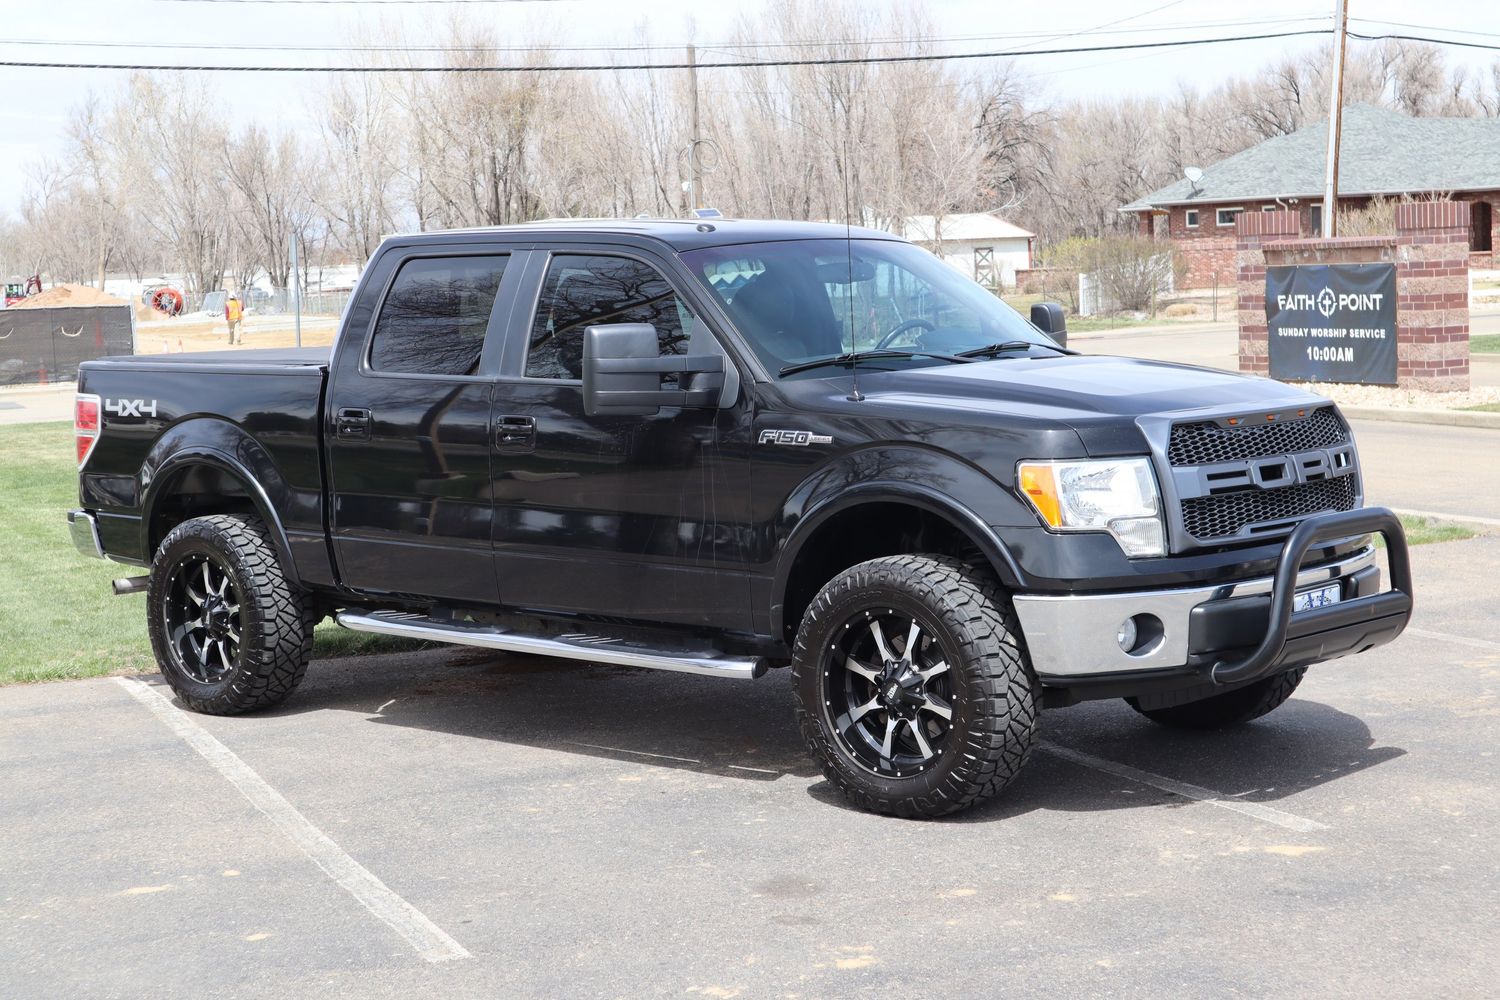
x,y
277,618
995,695
1231,708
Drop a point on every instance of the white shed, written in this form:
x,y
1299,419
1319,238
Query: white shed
x,y
980,245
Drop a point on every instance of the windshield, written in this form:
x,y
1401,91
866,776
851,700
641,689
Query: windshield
x,y
802,300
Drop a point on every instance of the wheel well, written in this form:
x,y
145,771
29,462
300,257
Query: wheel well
x,y
867,531
194,491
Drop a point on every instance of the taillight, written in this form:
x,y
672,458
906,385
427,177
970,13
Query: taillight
x,y
85,425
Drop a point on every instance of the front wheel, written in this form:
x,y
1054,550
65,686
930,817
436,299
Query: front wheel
x,y
1232,708
912,686
230,632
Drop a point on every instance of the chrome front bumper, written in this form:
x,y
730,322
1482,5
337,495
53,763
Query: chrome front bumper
x,y
85,532
1074,636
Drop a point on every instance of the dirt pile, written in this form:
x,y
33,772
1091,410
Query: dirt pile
x,y
69,295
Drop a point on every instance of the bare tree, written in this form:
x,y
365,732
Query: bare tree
x,y
271,179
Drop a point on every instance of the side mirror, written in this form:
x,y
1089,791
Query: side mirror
x,y
1048,318
623,368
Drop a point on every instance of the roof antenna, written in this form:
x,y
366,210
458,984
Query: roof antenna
x,y
855,396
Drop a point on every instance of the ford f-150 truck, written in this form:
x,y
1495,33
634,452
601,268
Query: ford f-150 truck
x,y
724,446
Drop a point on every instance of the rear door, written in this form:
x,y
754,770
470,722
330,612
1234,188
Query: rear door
x,y
628,516
409,427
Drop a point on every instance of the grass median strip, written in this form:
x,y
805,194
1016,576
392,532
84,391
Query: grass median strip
x,y
58,618
1426,530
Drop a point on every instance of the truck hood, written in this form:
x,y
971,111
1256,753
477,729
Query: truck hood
x,y
1101,398
1083,389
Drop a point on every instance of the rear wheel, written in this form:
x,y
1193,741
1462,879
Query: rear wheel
x,y
912,686
230,632
1229,709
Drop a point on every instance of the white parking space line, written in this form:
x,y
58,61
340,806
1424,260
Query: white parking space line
x,y
430,941
638,753
1187,791
1461,640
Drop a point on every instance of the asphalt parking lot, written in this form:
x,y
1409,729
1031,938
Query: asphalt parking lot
x,y
460,824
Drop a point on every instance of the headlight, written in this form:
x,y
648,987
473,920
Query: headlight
x,y
1117,495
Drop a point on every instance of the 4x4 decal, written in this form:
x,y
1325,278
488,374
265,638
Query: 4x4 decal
x,y
131,407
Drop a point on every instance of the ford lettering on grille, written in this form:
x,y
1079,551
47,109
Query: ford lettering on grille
x,y
1241,481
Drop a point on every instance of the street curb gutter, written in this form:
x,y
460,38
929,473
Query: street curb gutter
x,y
1445,418
1481,524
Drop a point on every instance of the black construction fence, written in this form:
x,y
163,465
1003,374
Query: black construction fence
x,y
38,346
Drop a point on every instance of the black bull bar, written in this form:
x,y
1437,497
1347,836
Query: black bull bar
x,y
1391,608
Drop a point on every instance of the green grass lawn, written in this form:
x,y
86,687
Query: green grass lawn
x,y
1487,344
58,617
1484,408
1424,530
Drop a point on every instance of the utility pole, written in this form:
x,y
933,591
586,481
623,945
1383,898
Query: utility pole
x,y
696,180
296,290
1335,118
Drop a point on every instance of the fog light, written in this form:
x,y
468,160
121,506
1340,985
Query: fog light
x,y
1141,635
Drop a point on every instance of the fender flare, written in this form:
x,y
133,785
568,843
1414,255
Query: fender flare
x,y
990,545
192,455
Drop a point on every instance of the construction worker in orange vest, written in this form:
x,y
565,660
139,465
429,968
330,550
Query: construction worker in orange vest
x,y
233,314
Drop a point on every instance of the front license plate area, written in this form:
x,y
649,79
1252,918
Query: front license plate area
x,y
1317,597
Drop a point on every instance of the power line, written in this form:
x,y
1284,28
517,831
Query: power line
x,y
1419,38
653,46
620,67
360,3
1427,27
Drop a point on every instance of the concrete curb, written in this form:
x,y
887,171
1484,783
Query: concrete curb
x,y
1480,524
1441,418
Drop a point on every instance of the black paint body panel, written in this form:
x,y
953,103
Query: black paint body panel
x,y
680,518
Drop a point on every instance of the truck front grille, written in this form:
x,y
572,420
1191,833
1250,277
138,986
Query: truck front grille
x,y
1223,515
1206,442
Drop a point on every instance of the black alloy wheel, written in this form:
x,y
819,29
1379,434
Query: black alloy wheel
x,y
887,692
202,618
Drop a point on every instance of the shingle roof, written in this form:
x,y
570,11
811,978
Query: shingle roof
x,y
1381,152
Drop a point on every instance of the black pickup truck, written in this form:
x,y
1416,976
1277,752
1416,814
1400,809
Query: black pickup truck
x,y
723,446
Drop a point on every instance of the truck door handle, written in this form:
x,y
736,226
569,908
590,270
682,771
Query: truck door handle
x,y
515,433
352,422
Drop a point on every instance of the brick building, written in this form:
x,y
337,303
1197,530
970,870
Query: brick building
x,y
1381,153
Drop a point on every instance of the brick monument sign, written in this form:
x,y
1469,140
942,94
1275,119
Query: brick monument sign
x,y
1430,251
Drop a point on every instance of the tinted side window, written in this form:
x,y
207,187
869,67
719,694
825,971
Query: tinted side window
x,y
583,291
434,318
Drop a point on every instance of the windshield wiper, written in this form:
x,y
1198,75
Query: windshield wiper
x,y
991,350
853,357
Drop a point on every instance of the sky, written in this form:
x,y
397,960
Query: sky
x,y
33,117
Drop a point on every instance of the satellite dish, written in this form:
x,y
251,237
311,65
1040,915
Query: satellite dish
x,y
1193,174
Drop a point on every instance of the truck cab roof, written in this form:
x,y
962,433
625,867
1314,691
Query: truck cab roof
x,y
679,234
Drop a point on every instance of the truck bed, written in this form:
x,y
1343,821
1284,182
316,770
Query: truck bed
x,y
265,357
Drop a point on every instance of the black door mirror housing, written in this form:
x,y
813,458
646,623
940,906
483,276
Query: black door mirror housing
x,y
1048,317
623,368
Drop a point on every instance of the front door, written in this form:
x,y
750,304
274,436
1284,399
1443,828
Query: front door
x,y
409,435
606,514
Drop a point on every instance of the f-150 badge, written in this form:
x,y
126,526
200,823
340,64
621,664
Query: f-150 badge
x,y
800,439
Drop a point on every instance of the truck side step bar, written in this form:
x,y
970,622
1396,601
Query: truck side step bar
x,y
571,645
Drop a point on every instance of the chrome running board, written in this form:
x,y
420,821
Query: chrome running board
x,y
571,645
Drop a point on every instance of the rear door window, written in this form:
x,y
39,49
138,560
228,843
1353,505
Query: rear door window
x,y
434,318
588,290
